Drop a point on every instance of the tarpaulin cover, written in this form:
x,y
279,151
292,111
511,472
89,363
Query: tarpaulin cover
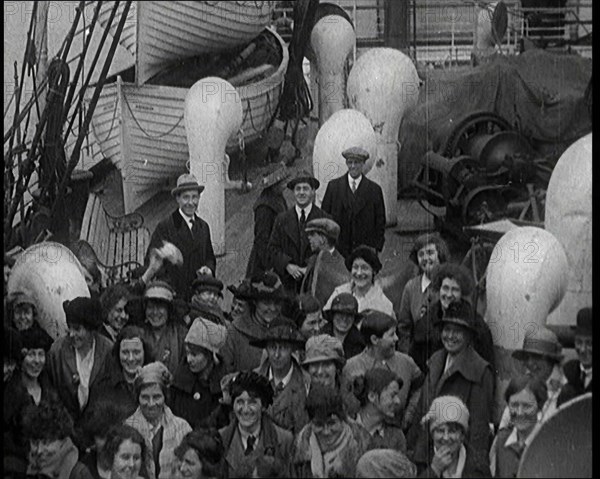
x,y
540,93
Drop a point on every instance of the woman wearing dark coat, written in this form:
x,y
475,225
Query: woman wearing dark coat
x,y
196,387
116,383
266,208
457,370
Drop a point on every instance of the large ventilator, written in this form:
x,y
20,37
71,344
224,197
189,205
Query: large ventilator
x,y
344,129
50,273
383,84
213,113
569,219
332,39
526,279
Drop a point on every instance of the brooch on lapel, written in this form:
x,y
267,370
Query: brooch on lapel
x,y
197,396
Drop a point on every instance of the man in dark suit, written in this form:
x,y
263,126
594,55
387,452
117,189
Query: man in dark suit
x,y
190,233
356,204
579,371
288,245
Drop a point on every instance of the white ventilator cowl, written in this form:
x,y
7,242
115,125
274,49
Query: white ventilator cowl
x,y
383,84
51,274
568,217
213,113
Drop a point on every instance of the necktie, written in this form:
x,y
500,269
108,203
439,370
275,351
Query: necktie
x,y
302,218
250,445
278,388
157,444
353,186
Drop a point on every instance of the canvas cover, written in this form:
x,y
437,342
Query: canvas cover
x,y
539,92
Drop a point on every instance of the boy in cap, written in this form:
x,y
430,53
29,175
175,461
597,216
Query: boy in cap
x,y
189,233
289,248
356,204
579,371
326,268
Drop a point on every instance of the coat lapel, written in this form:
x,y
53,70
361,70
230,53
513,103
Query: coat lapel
x,y
360,196
292,227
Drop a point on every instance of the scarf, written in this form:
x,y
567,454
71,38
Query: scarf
x,y
338,459
59,466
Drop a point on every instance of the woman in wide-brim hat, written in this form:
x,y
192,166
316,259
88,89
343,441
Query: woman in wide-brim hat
x,y
265,299
363,264
289,380
266,208
342,317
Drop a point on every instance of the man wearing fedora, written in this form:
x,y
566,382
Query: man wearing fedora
x,y
188,232
579,371
290,382
266,208
325,269
356,204
289,248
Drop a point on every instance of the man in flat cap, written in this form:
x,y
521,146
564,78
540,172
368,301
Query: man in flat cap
x,y
325,269
356,204
289,248
188,232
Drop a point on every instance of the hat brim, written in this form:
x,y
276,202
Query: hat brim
x,y
313,182
458,322
175,191
521,354
239,294
318,359
262,343
328,314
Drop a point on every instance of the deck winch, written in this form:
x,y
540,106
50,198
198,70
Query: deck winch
x,y
483,171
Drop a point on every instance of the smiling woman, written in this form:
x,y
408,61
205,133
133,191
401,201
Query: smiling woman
x,y
125,450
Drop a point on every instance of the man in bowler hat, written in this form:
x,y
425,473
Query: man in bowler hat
x,y
356,204
190,233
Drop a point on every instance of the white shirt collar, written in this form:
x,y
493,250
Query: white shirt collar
x,y
244,437
425,282
307,209
460,466
187,219
588,375
357,180
513,438
287,377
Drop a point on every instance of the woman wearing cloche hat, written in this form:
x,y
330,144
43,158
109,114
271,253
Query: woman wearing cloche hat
x,y
196,389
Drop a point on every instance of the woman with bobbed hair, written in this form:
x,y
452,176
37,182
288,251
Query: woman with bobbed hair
x,y
52,453
129,354
114,314
451,282
330,444
428,251
363,264
525,398
200,455
161,429
125,451
379,394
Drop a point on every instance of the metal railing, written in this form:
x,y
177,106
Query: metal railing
x,y
443,31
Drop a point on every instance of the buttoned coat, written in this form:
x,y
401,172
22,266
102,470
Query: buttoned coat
x,y
470,378
288,409
62,367
273,440
361,215
197,251
288,244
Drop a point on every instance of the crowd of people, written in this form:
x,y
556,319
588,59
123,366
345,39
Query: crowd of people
x,y
311,373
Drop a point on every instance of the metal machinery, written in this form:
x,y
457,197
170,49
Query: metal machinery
x,y
484,171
